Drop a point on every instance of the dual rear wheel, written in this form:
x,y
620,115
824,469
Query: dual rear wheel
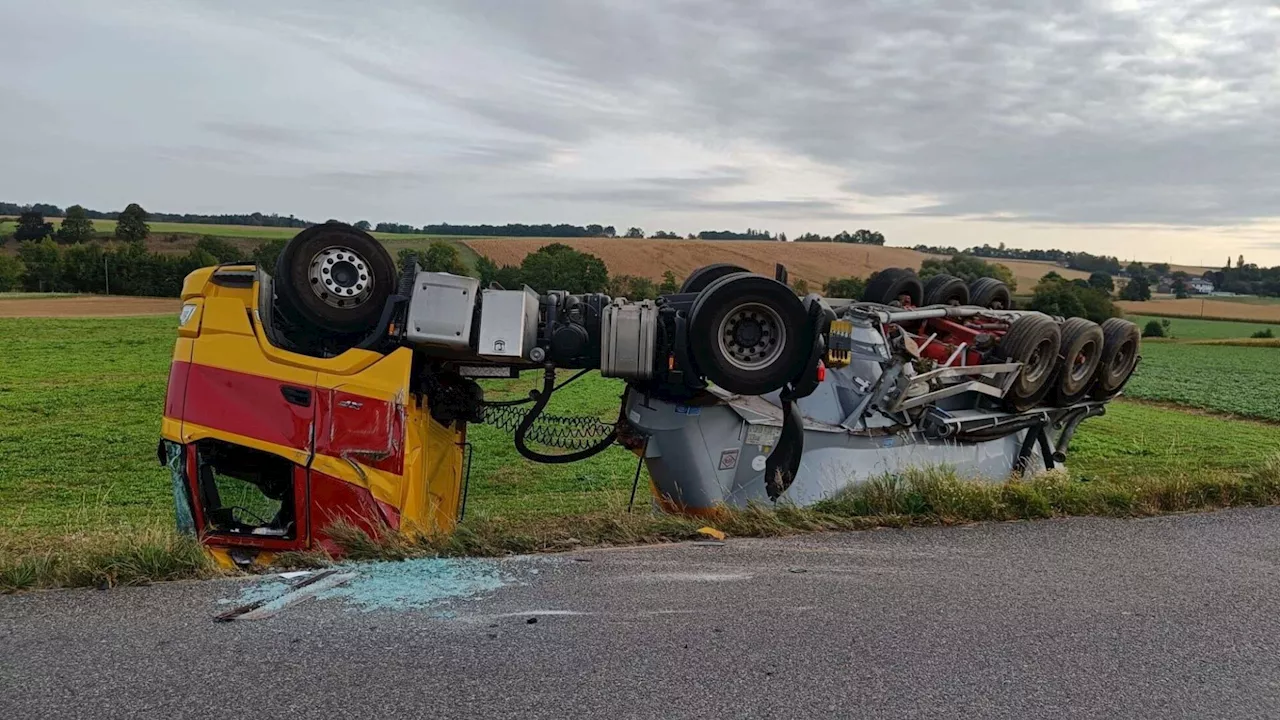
x,y
1067,363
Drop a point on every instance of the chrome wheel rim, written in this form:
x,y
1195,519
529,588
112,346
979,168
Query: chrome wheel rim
x,y
340,277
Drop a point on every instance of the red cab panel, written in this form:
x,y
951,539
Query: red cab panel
x,y
362,429
250,405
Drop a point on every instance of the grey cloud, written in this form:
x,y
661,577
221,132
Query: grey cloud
x,y
271,135
1066,112
1071,113
687,194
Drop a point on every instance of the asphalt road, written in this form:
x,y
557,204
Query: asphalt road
x,y
1172,618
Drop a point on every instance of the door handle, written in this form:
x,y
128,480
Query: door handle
x,y
296,395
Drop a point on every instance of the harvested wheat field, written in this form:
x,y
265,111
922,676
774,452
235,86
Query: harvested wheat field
x,y
1207,308
815,263
87,306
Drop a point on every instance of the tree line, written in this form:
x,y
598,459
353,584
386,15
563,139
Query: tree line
x,y
255,219
1082,261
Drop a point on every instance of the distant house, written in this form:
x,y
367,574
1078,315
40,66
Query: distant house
x,y
1200,286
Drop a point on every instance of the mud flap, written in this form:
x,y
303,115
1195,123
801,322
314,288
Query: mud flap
x,y
784,462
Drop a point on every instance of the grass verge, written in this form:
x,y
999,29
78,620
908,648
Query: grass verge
x,y
109,560
917,498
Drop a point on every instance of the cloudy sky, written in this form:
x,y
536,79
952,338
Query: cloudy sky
x,y
1136,128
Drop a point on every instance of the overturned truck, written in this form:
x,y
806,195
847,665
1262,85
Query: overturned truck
x,y
335,389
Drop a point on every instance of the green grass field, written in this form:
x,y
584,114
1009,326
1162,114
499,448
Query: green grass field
x,y
82,400
1237,380
1192,329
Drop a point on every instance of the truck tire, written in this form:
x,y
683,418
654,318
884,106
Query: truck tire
x,y
699,279
946,290
990,293
749,334
1082,343
891,285
334,279
1034,341
1120,346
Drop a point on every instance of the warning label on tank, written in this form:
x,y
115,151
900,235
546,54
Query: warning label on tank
x,y
729,459
763,434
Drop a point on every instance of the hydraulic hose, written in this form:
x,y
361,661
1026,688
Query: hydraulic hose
x,y
539,404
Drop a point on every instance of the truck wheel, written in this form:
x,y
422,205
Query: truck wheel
x,y
990,293
946,290
1032,340
334,278
894,285
699,279
1121,341
749,334
1082,343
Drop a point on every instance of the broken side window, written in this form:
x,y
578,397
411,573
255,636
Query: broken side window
x,y
246,491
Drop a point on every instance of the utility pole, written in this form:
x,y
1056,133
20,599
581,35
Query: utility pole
x,y
106,278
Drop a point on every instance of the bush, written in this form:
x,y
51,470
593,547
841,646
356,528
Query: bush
x,y
669,284
266,254
968,268
800,287
220,250
850,287
1153,329
11,272
44,265
442,257
439,256
631,287
1054,295
1261,334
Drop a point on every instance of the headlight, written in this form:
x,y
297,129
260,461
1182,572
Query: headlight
x,y
185,315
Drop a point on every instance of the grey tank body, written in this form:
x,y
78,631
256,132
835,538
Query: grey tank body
x,y
713,453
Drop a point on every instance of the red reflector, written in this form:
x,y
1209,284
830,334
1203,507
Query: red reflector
x,y
822,371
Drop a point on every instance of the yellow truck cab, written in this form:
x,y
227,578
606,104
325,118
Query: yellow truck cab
x,y
269,447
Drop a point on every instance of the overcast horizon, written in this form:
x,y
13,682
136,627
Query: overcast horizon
x,y
1125,128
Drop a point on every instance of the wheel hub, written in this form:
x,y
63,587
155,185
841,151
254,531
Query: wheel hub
x,y
340,277
752,336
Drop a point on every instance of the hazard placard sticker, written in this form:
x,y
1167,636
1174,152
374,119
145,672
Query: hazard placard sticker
x,y
729,459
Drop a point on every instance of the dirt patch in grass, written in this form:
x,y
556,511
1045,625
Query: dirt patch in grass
x,y
86,306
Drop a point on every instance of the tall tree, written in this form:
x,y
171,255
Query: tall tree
x,y
76,226
31,226
132,226
363,225
868,237
634,232
1138,288
1102,281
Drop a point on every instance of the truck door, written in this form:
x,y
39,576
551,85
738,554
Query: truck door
x,y
248,426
